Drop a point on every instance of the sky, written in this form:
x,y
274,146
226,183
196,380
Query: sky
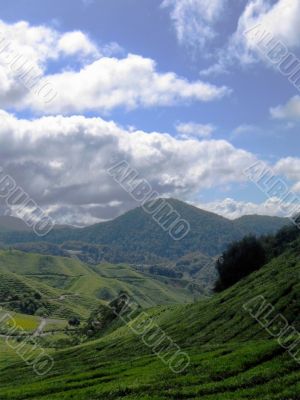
x,y
184,91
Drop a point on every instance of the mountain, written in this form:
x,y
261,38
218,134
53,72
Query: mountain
x,y
261,224
13,224
10,224
231,355
137,237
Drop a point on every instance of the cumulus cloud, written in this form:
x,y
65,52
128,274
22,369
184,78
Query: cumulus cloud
x,y
130,82
278,20
77,42
194,20
193,129
25,52
41,43
290,110
289,167
232,209
62,161
101,82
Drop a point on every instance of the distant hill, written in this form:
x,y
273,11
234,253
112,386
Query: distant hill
x,y
9,224
136,237
260,224
14,224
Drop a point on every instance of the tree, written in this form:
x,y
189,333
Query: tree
x,y
238,261
74,321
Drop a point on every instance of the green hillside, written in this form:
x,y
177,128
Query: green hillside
x,y
29,296
147,290
42,283
232,356
62,287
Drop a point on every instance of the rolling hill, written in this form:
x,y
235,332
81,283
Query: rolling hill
x,y
63,287
231,356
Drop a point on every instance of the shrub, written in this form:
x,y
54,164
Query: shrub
x,y
238,261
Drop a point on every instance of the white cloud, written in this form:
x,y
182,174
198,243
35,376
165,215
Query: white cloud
x,y
290,110
102,83
232,209
280,19
61,163
41,43
77,42
194,19
296,187
289,167
25,52
130,82
192,129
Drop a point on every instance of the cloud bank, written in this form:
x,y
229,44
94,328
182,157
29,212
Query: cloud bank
x,y
62,161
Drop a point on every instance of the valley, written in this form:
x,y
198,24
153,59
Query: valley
x,y
230,355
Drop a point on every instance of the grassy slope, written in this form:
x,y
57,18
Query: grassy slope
x,y
231,356
146,289
30,273
28,323
71,287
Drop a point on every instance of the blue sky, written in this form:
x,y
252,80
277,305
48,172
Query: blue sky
x,y
188,99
